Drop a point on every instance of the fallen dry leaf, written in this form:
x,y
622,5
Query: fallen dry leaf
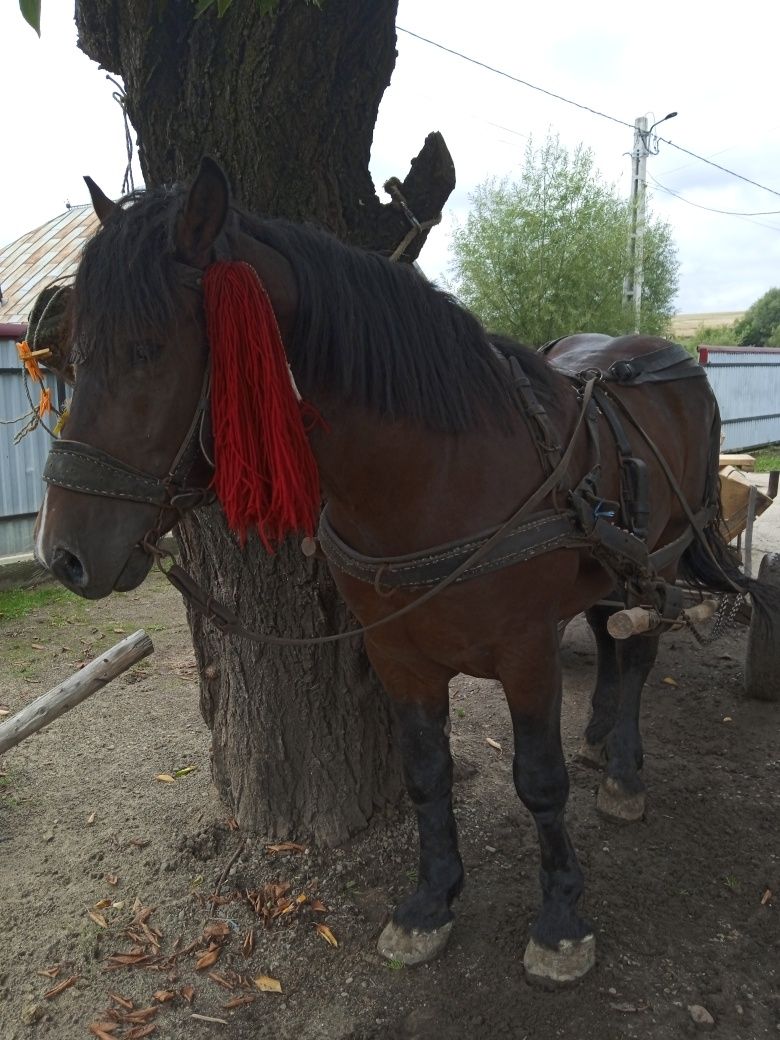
x,y
139,1015
140,843
122,1001
184,771
268,985
232,824
669,681
221,980
102,904
140,1031
61,987
37,646
91,819
248,945
327,934
493,743
207,959
166,778
216,930
4,711
766,897
188,993
103,1030
99,919
162,996
52,971
318,906
112,879
234,1002
286,846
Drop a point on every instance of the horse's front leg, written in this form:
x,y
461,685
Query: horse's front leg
x,y
623,668
421,925
562,948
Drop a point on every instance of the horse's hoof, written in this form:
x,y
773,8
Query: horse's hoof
x,y
619,805
593,755
568,963
415,947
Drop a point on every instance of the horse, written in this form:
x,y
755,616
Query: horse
x,y
477,494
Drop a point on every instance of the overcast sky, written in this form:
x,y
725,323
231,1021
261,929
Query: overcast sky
x,y
716,66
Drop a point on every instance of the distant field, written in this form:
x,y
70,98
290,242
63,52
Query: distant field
x,y
687,324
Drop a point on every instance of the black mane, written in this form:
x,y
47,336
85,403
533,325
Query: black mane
x,y
368,332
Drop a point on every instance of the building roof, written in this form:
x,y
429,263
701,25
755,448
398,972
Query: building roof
x,y
48,254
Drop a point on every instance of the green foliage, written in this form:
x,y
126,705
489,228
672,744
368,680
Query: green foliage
x,y
546,256
760,326
712,335
767,459
15,603
31,12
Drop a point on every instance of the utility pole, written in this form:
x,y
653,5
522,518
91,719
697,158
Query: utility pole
x,y
643,146
632,286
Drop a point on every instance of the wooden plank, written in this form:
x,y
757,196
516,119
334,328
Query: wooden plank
x,y
74,690
739,461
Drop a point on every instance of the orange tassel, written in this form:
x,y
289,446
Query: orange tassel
x,y
29,362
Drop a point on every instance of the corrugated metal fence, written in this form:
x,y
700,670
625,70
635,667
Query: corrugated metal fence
x,y
21,465
746,383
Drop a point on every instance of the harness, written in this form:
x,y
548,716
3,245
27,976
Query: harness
x,y
613,533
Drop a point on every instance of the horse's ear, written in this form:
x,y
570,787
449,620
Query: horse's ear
x,y
203,214
101,203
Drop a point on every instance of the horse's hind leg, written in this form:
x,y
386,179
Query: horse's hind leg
x,y
421,925
562,947
623,668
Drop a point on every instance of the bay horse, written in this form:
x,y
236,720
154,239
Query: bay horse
x,y
432,433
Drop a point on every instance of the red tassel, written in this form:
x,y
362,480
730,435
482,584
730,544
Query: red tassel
x,y
265,473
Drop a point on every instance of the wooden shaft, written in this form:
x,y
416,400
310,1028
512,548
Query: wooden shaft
x,y
73,691
633,622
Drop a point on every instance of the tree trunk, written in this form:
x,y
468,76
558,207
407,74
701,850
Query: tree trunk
x,y
303,743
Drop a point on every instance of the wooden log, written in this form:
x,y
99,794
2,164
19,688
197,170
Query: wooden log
x,y
636,620
74,690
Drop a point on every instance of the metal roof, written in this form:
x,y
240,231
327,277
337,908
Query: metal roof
x,y
49,253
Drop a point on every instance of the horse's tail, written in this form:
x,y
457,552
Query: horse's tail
x,y
712,563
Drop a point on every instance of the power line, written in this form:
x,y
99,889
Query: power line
x,y
711,209
717,166
576,104
724,212
515,79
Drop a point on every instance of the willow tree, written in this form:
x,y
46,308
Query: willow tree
x,y
286,100
545,255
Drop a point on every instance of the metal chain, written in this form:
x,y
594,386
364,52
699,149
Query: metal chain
x,y
729,606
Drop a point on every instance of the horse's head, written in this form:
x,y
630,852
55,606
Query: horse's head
x,y
133,438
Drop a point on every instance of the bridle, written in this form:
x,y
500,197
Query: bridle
x,y
82,467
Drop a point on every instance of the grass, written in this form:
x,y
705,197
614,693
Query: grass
x,y
767,458
16,603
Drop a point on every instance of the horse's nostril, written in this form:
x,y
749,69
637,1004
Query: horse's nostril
x,y
68,568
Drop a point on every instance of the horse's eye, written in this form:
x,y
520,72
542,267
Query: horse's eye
x,y
143,353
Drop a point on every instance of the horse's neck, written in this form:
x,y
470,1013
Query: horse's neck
x,y
393,487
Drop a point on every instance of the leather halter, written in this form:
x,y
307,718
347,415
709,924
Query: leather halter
x,y
82,467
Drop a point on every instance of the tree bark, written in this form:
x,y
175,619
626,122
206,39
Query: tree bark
x,y
302,739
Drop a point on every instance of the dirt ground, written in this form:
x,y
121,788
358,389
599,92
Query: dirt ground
x,y
685,904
